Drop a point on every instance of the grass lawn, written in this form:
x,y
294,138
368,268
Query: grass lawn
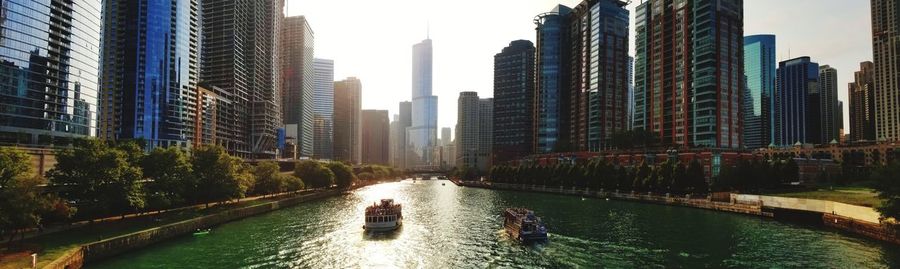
x,y
860,196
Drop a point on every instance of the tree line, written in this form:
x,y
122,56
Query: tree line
x,y
100,179
674,177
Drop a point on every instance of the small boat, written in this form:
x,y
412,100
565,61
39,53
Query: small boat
x,y
523,225
383,217
443,184
201,232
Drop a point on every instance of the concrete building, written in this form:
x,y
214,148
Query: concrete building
x,y
422,134
401,147
323,108
299,80
239,42
473,132
862,104
694,97
886,51
446,136
513,107
797,113
48,72
215,122
347,116
375,137
829,105
760,68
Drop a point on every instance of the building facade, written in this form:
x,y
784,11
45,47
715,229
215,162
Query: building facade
x,y
760,68
862,104
446,135
422,134
48,71
323,108
513,107
241,55
551,81
689,77
347,116
473,132
401,147
886,53
829,105
300,83
375,147
796,102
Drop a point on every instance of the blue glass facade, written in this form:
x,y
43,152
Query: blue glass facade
x,y
149,70
48,71
759,67
552,82
422,135
795,100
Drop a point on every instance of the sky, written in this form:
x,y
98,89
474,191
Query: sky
x,y
372,40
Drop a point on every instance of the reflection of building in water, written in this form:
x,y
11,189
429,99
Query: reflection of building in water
x,y
48,71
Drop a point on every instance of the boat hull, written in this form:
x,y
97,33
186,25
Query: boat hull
x,y
383,226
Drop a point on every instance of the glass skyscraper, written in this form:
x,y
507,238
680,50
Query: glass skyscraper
x,y
759,67
796,103
297,103
49,59
150,71
422,135
323,108
513,107
551,79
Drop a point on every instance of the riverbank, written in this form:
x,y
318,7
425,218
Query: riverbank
x,y
863,221
77,256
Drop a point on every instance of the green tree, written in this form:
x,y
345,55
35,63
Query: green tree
x,y
314,174
268,179
220,177
343,175
888,188
696,178
100,179
293,184
170,175
21,201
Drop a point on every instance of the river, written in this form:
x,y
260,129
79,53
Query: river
x,y
446,226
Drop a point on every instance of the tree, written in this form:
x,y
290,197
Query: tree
x,y
100,179
696,179
268,179
888,188
220,177
293,184
343,175
171,177
314,174
21,201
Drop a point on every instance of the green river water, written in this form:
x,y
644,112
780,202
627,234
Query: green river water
x,y
446,226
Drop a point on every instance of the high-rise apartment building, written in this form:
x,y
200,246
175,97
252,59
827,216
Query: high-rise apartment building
x,y
241,55
797,116
49,60
375,137
422,134
551,82
323,108
299,75
828,105
473,132
689,79
886,52
760,68
513,107
862,104
347,116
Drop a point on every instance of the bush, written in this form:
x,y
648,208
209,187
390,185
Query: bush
x,y
366,176
269,179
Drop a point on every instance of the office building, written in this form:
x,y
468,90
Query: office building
x,y
551,82
401,147
760,68
300,83
862,104
422,134
446,136
473,132
829,105
796,101
375,137
347,116
323,108
513,107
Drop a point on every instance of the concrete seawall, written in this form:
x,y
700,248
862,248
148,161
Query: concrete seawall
x,y
859,220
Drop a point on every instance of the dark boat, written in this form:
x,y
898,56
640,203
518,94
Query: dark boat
x,y
523,225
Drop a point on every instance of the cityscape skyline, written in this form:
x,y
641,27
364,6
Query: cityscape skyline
x,y
456,56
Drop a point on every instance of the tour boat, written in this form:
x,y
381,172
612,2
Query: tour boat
x,y
523,225
386,216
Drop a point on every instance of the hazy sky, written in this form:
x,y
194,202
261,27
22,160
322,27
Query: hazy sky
x,y
372,40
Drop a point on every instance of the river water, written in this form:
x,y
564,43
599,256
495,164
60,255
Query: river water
x,y
446,226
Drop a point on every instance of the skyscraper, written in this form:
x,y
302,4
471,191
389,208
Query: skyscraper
x,y
551,82
375,137
422,134
297,103
828,105
862,104
347,115
404,121
49,59
149,74
323,108
694,96
241,55
473,132
446,136
796,103
513,107
630,93
886,48
759,67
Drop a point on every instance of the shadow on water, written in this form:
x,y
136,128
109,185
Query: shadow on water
x,y
382,236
